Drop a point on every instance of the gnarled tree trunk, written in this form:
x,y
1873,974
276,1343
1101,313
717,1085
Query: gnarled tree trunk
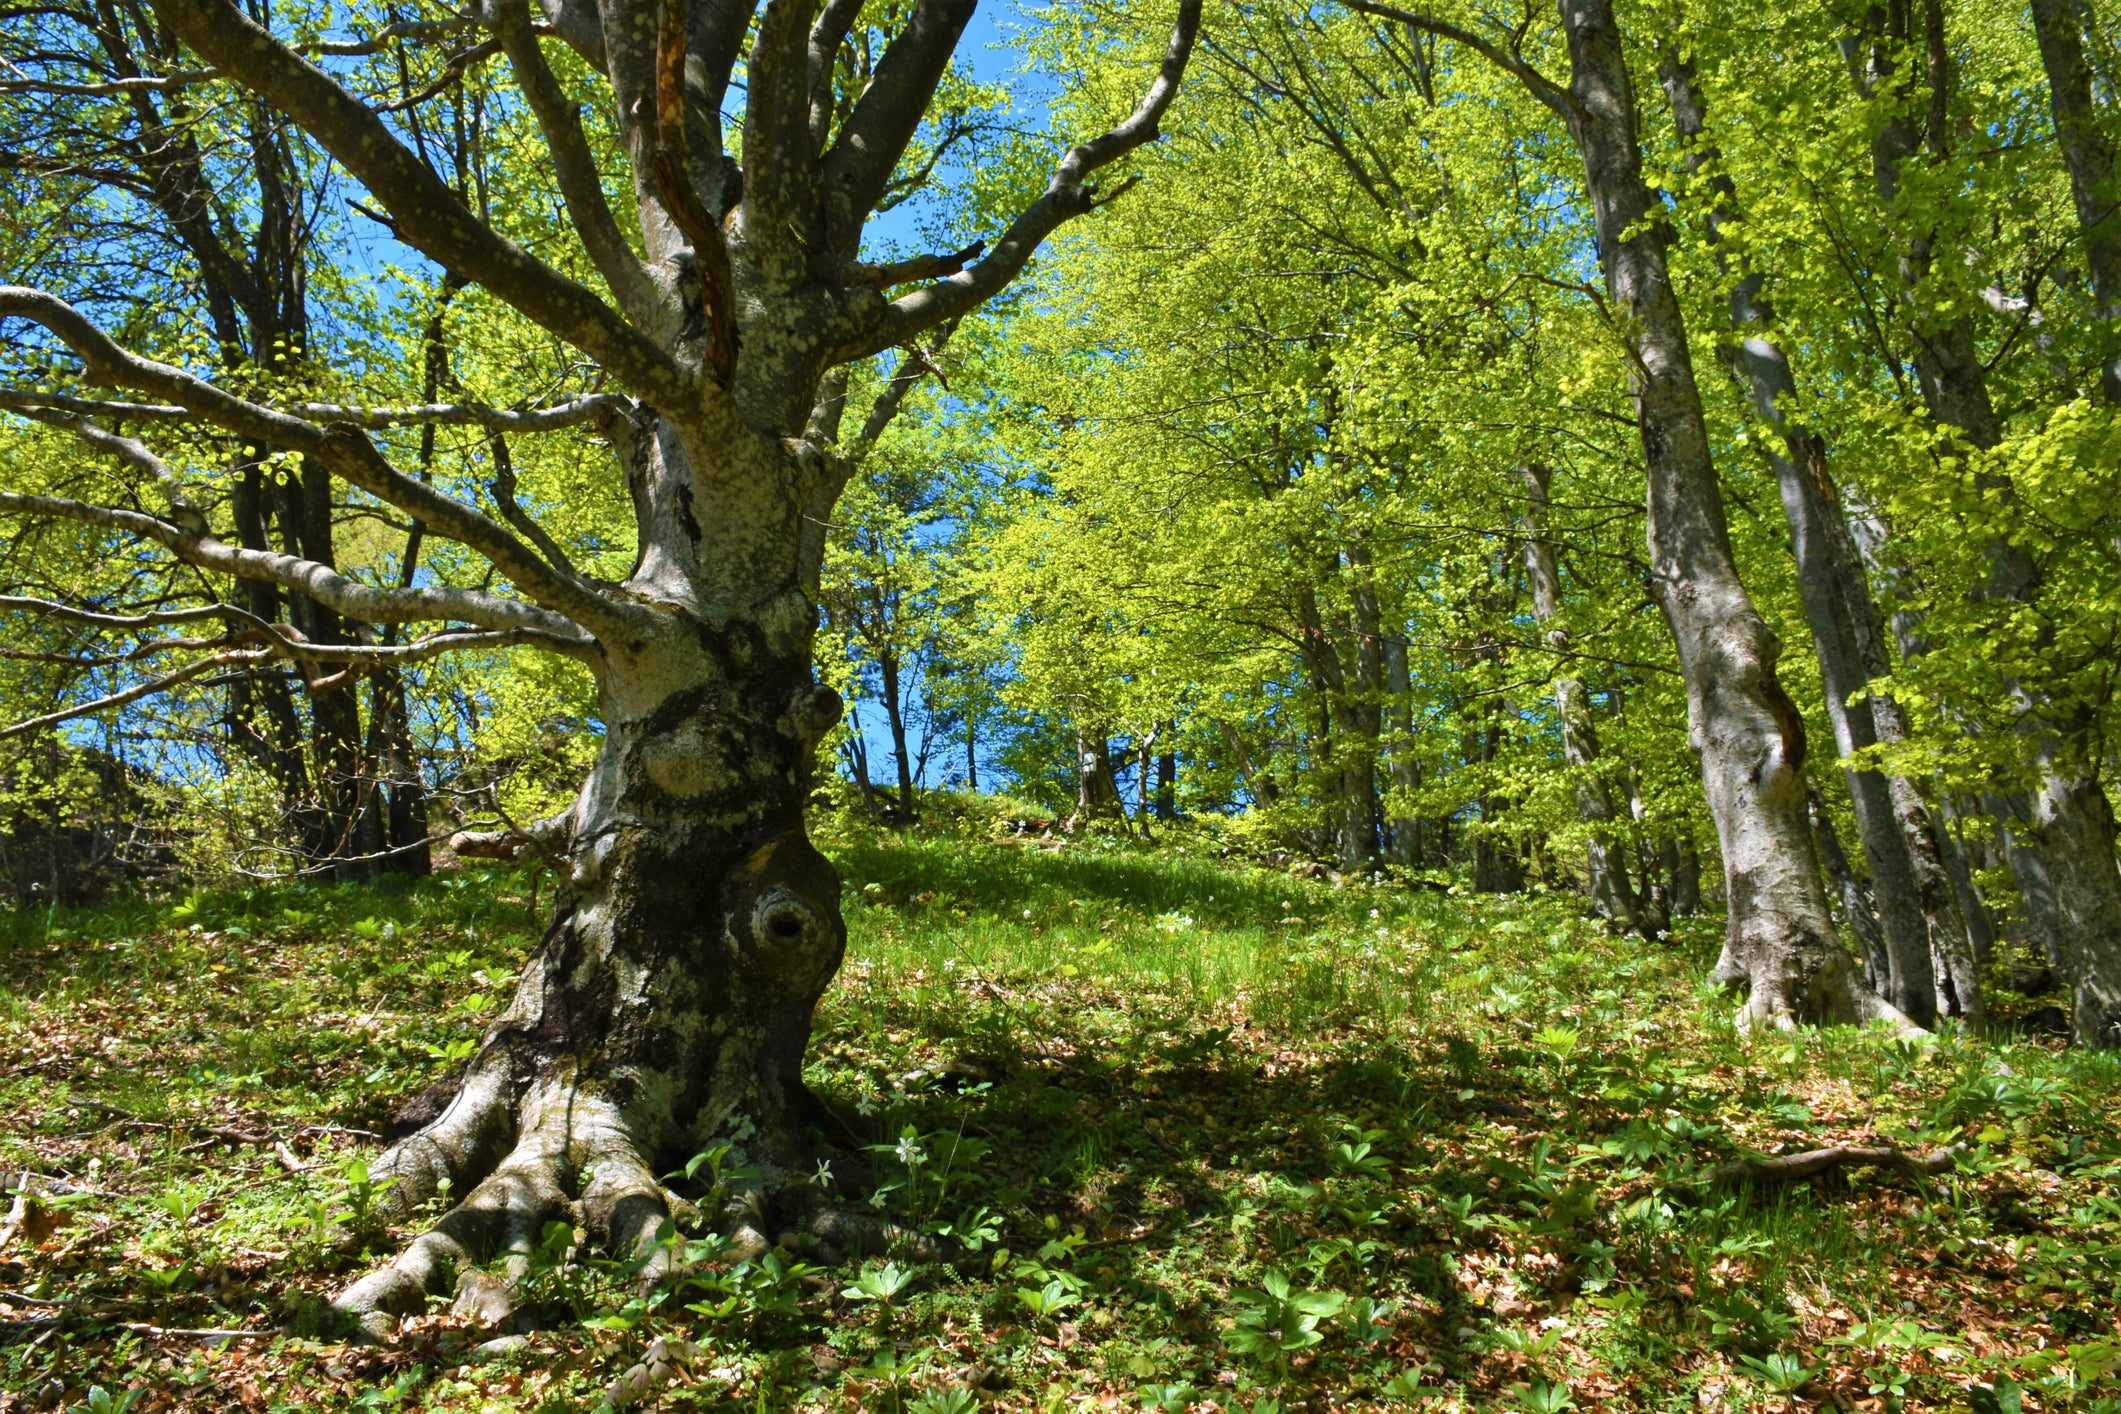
x,y
670,1002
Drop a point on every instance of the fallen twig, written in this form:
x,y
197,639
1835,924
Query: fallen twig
x,y
287,1158
180,1333
1788,1168
338,1129
23,1298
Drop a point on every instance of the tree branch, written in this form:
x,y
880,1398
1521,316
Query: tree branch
x,y
574,166
427,213
568,414
320,582
1552,94
887,115
920,267
672,170
1788,1168
1066,196
137,691
339,446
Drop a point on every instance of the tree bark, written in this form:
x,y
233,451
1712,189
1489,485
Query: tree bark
x,y
2067,851
894,716
1403,831
1779,942
1914,922
1857,907
2087,152
1363,727
670,1002
1096,789
1612,893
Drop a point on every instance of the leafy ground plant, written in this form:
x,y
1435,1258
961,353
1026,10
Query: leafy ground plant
x,y
1289,1157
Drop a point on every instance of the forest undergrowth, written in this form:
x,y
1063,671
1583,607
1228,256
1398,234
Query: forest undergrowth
x,y
1201,1135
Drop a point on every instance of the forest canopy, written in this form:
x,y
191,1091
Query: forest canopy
x,y
1655,461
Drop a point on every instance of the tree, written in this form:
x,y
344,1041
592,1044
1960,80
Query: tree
x,y
231,196
1780,945
671,999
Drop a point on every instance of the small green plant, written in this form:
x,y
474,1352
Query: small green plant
x,y
361,1193
182,1201
1048,1301
1540,1397
1356,1157
1884,1346
1532,1345
954,1400
1782,1373
1279,1320
879,1284
973,1229
100,1401
1366,1319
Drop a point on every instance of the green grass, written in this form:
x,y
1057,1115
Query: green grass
x,y
1220,1138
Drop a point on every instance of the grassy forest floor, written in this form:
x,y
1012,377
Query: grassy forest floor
x,y
1210,1137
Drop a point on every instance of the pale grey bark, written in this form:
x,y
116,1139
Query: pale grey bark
x,y
1780,942
2066,849
1858,911
1928,961
2088,153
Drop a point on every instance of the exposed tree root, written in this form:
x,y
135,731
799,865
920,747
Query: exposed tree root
x,y
564,1133
560,1153
1789,1168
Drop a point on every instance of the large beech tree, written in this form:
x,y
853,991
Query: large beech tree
x,y
671,1000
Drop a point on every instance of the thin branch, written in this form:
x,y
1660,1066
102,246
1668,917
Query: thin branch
x,y
459,63
920,267
1552,94
428,215
1066,196
419,31
137,691
66,613
320,582
114,88
568,414
341,447
574,166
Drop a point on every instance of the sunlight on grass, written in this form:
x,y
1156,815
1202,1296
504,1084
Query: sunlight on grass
x,y
1199,1134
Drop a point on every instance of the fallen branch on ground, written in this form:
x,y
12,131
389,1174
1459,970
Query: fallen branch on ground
x,y
1788,1168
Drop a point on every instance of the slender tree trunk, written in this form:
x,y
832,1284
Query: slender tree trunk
x,y
1404,831
1858,909
2070,837
1780,942
2089,155
887,665
1167,781
1612,893
971,753
1366,709
1916,923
